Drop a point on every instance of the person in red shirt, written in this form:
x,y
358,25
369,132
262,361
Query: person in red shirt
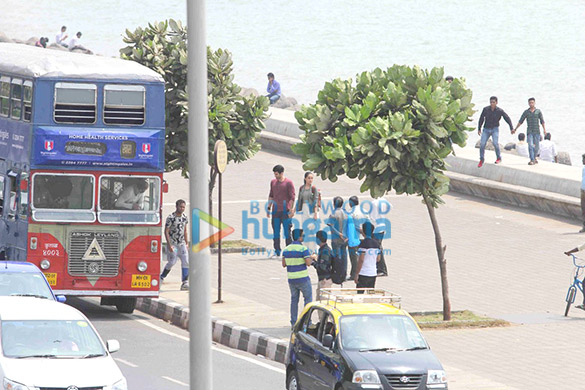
x,y
281,201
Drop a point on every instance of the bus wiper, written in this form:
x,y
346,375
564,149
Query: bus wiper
x,y
92,355
37,356
385,349
29,295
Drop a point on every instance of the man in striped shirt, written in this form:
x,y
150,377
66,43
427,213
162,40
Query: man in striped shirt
x,y
295,258
533,117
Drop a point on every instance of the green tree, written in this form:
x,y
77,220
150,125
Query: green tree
x,y
391,130
233,118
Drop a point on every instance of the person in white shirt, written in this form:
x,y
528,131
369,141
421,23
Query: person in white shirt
x,y
132,198
522,146
62,36
74,42
548,149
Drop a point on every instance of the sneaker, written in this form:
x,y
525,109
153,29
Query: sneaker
x,y
499,160
535,161
582,307
531,163
162,280
480,164
382,274
184,286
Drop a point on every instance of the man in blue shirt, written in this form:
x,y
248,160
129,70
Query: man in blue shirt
x,y
273,89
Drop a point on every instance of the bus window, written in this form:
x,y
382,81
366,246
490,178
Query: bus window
x,y
63,197
75,103
27,99
1,195
129,199
124,104
4,95
16,99
13,191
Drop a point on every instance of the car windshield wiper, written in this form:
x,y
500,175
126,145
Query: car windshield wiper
x,y
92,355
29,295
37,356
415,348
385,349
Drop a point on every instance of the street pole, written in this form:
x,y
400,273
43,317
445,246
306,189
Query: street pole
x,y
199,262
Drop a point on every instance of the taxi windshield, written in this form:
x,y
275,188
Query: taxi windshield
x,y
380,332
23,284
50,339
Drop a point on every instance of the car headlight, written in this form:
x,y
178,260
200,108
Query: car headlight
x,y
437,379
366,377
120,385
142,266
11,385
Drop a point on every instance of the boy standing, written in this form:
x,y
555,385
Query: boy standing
x,y
177,244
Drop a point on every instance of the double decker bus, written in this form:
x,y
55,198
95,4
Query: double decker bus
x,y
81,164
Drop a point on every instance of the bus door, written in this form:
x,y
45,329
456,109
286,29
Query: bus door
x,y
14,214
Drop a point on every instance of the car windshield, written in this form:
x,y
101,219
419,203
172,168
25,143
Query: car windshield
x,y
24,283
50,339
380,332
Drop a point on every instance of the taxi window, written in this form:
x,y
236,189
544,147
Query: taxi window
x,y
312,323
328,327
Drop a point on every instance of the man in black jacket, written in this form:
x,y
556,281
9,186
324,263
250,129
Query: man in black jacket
x,y
323,263
491,115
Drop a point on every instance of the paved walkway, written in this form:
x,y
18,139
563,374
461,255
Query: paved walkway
x,y
502,262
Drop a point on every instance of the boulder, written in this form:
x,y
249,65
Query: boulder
x,y
4,38
510,147
564,158
285,102
489,145
31,41
249,92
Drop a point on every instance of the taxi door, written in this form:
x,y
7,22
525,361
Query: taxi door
x,y
306,349
327,368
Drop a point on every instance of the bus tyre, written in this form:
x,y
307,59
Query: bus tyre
x,y
570,299
292,381
126,304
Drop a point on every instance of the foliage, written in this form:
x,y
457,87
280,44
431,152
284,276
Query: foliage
x,y
391,129
233,118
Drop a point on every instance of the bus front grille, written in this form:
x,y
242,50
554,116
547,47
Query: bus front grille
x,y
94,253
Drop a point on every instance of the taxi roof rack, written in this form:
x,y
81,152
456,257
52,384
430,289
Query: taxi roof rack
x,y
366,295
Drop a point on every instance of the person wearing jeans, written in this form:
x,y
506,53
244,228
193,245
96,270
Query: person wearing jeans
x,y
296,258
533,117
281,200
491,115
177,243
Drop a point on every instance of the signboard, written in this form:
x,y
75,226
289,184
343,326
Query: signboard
x,y
98,148
221,156
15,140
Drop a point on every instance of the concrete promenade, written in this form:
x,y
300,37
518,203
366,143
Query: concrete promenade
x,y
502,261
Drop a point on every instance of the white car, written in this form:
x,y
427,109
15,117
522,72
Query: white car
x,y
49,345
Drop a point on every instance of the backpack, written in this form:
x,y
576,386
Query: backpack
x,y
337,270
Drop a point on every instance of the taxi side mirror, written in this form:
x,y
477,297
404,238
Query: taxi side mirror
x,y
327,341
113,346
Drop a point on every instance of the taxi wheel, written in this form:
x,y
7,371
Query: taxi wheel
x,y
126,304
292,382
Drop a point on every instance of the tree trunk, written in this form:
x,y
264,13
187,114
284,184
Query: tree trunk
x,y
442,261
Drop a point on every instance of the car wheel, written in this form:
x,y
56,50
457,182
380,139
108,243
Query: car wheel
x,y
126,304
292,382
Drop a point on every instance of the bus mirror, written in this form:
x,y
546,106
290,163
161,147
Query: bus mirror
x,y
165,187
24,185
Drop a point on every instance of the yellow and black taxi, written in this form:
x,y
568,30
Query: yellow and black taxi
x,y
360,339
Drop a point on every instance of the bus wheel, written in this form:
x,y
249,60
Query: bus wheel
x,y
126,304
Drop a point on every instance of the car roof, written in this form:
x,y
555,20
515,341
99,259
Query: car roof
x,y
344,309
17,266
30,308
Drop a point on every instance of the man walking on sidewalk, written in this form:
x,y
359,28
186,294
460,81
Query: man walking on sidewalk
x,y
281,201
491,115
295,258
177,244
533,116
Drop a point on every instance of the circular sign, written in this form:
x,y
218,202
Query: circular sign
x,y
221,156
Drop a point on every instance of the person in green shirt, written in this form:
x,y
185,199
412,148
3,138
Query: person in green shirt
x,y
533,117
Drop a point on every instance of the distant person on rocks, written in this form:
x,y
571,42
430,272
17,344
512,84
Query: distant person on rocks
x,y
281,202
42,42
296,258
62,36
548,149
491,115
522,145
273,89
74,44
369,252
533,116
336,223
176,235
449,79
323,263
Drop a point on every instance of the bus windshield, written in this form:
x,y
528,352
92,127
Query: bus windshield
x,y
63,197
129,199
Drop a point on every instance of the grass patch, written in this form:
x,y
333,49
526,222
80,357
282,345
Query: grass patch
x,y
459,319
226,244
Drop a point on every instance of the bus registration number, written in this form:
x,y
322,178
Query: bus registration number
x,y
51,278
140,281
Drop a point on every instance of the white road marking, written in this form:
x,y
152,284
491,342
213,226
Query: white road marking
x,y
126,362
175,381
226,352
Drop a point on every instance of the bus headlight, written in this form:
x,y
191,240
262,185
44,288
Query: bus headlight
x,y
45,264
142,266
